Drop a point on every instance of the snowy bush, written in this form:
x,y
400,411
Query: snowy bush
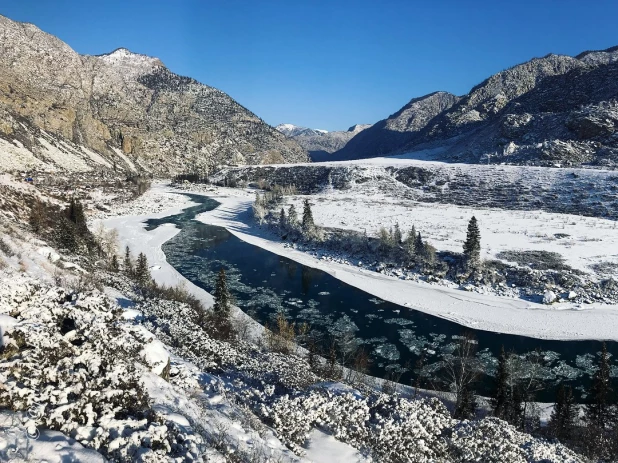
x,y
491,439
75,366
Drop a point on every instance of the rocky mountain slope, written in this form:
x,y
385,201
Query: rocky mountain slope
x,y
397,130
63,111
321,143
555,110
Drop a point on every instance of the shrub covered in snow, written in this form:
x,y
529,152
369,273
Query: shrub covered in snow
x,y
75,367
394,429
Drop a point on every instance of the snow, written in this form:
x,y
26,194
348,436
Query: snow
x,y
582,241
126,58
124,157
50,446
325,448
564,321
6,323
66,161
131,233
154,353
328,421
13,156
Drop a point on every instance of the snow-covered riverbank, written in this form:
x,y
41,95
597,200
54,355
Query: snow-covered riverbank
x,y
479,311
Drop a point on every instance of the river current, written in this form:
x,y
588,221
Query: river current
x,y
264,284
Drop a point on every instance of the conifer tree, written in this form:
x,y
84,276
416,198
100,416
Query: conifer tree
x,y
114,265
418,245
599,410
466,407
142,272
282,220
397,236
428,256
411,239
308,225
385,240
564,415
472,245
222,308
128,263
500,400
292,216
410,243
76,215
37,216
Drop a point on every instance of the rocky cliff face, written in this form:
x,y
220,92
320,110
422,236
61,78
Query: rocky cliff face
x,y
321,143
62,110
550,111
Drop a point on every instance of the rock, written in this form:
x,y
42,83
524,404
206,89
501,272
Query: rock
x,y
549,297
572,295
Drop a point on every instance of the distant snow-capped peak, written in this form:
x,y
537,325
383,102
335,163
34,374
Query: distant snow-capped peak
x,y
291,130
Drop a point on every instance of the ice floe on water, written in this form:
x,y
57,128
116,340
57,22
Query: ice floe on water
x,y
388,351
399,321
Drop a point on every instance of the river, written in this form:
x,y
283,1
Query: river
x,y
264,284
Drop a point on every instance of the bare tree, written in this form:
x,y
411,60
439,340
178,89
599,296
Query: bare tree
x,y
460,370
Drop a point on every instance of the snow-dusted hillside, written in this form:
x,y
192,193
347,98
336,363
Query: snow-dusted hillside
x,y
549,111
134,378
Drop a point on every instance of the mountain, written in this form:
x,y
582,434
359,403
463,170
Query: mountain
x,y
398,129
320,143
555,110
291,130
63,111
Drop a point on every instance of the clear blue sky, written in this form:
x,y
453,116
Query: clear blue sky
x,y
329,64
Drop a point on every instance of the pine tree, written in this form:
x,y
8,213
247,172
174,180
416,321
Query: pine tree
x,y
397,236
114,265
411,239
515,415
308,225
500,400
76,215
283,223
410,244
472,245
222,308
418,245
292,217
564,415
428,256
599,411
142,272
466,407
385,240
37,216
64,234
419,366
128,263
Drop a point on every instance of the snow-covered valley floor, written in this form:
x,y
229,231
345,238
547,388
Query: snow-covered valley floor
x,y
200,415
563,321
